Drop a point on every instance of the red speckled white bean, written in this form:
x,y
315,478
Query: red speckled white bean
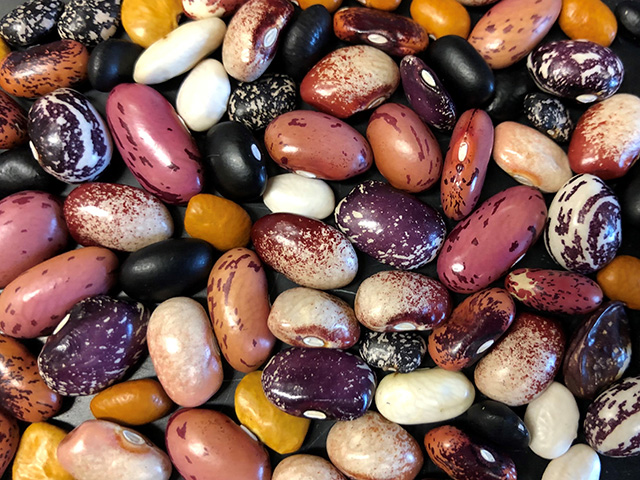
x,y
524,362
252,37
116,216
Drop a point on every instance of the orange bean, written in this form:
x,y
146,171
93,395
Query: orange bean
x,y
331,5
387,5
135,402
620,280
441,17
589,20
221,222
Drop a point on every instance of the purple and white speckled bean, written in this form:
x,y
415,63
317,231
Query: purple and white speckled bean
x,y
111,330
68,136
393,227
426,94
252,37
33,229
583,231
319,383
611,424
576,69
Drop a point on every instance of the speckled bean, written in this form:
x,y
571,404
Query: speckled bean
x,y
490,241
512,28
252,37
461,457
583,231
554,291
33,229
102,327
319,383
465,165
22,390
154,143
307,251
390,32
401,352
392,226
606,140
75,147
304,317
611,423
426,94
37,300
473,328
238,301
30,22
13,122
9,437
396,300
44,68
406,152
227,447
350,80
524,362
577,69
199,9
296,141
116,216
599,351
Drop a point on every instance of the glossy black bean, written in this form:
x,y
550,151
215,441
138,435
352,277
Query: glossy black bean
x,y
462,70
630,199
511,86
236,164
306,40
628,15
111,63
19,171
167,269
497,423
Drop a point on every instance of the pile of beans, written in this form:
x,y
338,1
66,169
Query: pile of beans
x,y
260,240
